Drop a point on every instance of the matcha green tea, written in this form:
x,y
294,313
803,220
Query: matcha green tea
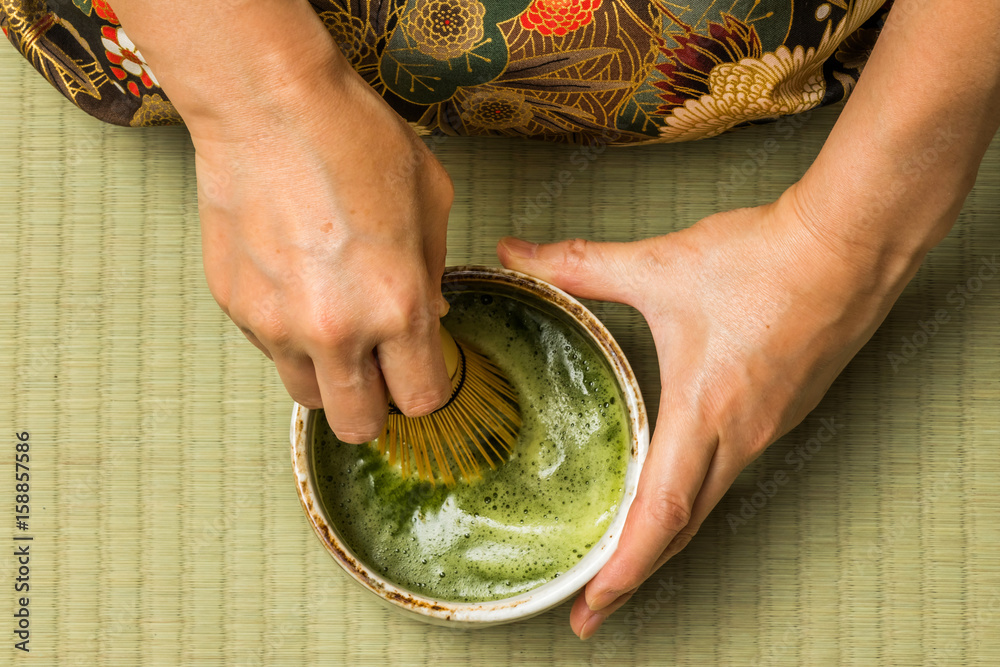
x,y
522,524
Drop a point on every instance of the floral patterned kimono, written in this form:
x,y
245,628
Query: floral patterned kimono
x,y
578,71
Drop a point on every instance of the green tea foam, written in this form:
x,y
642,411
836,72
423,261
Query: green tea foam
x,y
522,524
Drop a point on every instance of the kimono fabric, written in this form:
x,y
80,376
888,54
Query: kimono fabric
x,y
615,72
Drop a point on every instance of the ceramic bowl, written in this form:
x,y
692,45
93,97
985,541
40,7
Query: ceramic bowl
x,y
550,594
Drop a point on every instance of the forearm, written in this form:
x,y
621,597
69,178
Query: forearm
x,y
892,177
224,61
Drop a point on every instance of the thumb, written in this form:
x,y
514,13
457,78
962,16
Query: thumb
x,y
602,271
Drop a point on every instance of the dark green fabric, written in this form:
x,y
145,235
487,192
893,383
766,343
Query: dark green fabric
x,y
578,71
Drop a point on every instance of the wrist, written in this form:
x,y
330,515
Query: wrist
x,y
888,195
877,250
267,94
257,65
892,177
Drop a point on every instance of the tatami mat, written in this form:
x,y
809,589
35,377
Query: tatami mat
x,y
165,522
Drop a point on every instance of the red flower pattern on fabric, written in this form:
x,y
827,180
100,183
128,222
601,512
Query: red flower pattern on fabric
x,y
558,17
104,10
126,59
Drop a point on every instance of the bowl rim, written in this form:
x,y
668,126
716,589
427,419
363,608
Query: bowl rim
x,y
554,591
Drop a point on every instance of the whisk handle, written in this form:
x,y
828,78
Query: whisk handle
x,y
450,349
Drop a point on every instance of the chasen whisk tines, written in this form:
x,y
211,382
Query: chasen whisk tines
x,y
478,425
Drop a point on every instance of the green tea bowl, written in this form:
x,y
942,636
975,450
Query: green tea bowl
x,y
559,306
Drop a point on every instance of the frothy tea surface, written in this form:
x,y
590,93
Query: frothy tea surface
x,y
522,524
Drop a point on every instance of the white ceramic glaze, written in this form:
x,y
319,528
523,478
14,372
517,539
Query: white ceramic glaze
x,y
549,594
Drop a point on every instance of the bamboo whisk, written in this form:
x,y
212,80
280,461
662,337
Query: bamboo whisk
x,y
479,423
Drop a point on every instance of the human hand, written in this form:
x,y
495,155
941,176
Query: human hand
x,y
323,231
753,315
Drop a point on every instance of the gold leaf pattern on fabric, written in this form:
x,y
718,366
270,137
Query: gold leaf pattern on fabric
x,y
359,27
28,26
496,110
572,71
155,111
349,34
537,66
595,68
446,29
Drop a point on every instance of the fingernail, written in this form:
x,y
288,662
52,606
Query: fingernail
x,y
522,249
603,600
591,626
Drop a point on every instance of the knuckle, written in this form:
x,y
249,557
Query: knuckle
x,y
370,373
408,313
326,329
631,578
761,438
266,324
668,512
748,439
575,254
358,393
353,382
649,261
399,316
569,261
279,339
770,426
681,540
